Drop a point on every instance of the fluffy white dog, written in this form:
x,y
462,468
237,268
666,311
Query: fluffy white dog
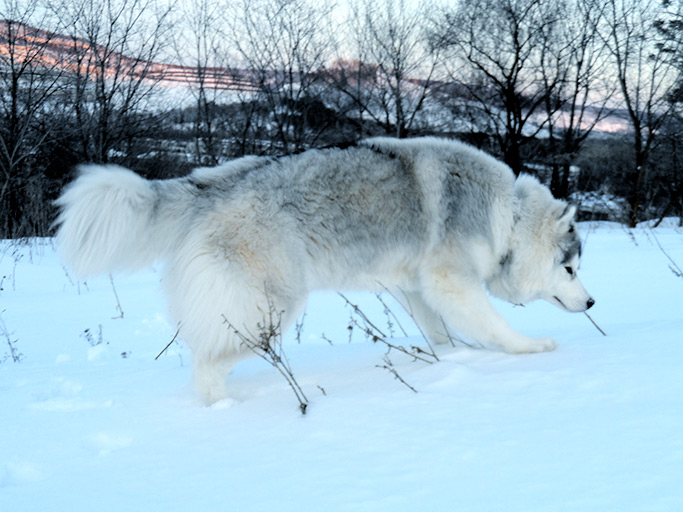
x,y
438,220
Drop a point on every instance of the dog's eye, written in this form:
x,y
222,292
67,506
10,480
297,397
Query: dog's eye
x,y
569,270
571,228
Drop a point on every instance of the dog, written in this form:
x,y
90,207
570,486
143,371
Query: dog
x,y
437,221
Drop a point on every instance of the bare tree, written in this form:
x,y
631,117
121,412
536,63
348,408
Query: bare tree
x,y
495,51
29,79
670,28
114,45
353,77
285,45
392,72
578,86
644,61
202,48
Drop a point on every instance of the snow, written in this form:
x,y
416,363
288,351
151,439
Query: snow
x,y
595,425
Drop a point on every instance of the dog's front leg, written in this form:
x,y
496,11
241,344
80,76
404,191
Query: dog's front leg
x,y
429,321
465,306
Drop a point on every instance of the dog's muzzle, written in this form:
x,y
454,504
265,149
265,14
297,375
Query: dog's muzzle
x,y
589,303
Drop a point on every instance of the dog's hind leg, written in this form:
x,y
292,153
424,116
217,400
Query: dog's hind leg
x,y
239,335
210,375
464,305
217,305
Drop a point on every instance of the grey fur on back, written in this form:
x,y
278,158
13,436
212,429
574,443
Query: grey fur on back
x,y
381,193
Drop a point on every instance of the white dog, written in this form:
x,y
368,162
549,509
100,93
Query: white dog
x,y
438,220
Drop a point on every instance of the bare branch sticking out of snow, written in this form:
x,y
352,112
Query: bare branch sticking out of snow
x,y
267,344
596,325
389,366
673,266
118,302
361,321
372,332
11,344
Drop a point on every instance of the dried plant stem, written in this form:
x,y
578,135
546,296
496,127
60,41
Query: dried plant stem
x,y
267,344
596,325
673,266
376,334
391,316
13,352
169,344
389,366
359,319
118,302
431,352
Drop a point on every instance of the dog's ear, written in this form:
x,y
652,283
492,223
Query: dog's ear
x,y
566,217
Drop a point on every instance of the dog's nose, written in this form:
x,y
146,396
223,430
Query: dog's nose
x,y
590,303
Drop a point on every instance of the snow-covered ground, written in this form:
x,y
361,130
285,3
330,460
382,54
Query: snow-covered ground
x,y
596,425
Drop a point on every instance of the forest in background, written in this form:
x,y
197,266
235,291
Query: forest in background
x,y
585,94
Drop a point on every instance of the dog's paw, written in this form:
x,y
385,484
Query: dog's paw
x,y
210,393
531,346
543,345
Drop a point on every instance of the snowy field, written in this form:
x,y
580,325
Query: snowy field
x,y
90,421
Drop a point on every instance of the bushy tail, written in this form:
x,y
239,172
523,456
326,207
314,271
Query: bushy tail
x,y
106,221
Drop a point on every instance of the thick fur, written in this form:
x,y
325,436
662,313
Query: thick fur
x,y
437,221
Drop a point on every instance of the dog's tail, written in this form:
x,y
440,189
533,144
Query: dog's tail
x,y
108,221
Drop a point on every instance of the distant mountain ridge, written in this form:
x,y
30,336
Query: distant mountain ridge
x,y
22,43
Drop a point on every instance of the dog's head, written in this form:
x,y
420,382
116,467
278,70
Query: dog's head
x,y
544,254
562,286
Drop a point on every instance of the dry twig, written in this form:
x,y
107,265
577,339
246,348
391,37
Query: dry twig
x,y
673,266
118,302
12,344
375,334
169,344
267,344
596,325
